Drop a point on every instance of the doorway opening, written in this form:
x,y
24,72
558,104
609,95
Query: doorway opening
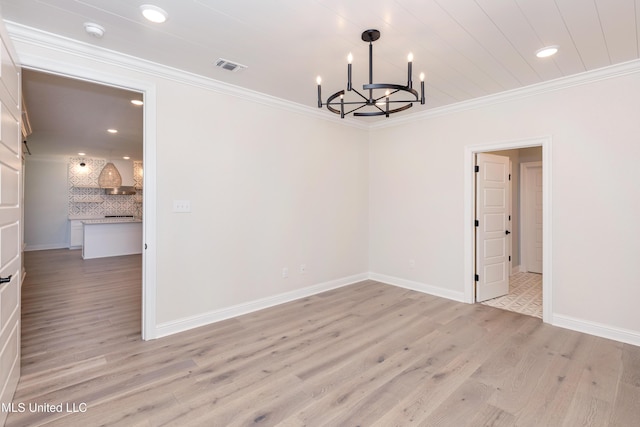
x,y
148,202
64,205
518,268
510,278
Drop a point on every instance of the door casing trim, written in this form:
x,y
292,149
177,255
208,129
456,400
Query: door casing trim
x,y
469,215
148,89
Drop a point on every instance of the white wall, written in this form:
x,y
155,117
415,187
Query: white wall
x,y
270,187
416,197
45,203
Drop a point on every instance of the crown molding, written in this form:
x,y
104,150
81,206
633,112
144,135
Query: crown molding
x,y
587,77
24,35
21,34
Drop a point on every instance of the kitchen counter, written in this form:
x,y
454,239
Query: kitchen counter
x,y
110,220
111,237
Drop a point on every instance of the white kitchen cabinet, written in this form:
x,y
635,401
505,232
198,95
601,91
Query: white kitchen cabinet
x,y
106,238
76,234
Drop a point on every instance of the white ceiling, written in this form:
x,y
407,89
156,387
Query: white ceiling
x,y
69,116
467,48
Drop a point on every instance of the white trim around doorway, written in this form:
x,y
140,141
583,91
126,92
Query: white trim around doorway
x,y
469,216
46,65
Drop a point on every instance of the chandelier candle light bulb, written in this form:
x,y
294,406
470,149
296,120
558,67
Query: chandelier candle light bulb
x,y
410,66
349,61
386,95
381,105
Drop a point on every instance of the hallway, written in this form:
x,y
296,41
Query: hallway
x,y
524,297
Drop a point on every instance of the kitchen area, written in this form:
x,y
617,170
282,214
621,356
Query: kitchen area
x,y
105,221
72,130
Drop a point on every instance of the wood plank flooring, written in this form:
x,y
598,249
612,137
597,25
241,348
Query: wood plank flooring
x,y
365,355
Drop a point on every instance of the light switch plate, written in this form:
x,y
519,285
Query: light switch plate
x,y
182,205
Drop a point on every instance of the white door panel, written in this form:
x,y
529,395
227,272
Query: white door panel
x,y
9,75
494,170
9,242
494,248
494,222
9,186
494,197
494,274
10,223
492,213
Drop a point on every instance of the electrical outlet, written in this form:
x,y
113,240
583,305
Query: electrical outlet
x,y
182,206
285,272
303,268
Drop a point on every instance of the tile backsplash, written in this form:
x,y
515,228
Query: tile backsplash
x,y
86,199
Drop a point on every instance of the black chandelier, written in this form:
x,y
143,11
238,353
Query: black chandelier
x,y
380,105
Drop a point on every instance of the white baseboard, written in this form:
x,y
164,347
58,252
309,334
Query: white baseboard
x,y
568,322
517,269
46,247
417,286
597,329
180,325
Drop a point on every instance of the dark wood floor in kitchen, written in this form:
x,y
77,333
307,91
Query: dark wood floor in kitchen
x,y
368,354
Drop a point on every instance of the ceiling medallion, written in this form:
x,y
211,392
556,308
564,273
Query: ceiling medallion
x,y
378,105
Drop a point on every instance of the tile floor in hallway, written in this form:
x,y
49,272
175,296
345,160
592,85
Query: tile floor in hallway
x,y
525,295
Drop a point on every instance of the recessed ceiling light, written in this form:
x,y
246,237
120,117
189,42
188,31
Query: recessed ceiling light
x,y
82,154
547,51
154,13
136,102
94,30
126,157
112,130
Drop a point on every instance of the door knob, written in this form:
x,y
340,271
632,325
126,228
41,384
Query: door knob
x,y
5,279
507,232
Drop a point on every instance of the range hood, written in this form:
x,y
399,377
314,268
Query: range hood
x,y
123,190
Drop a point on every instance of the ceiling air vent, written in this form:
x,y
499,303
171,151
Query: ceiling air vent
x,y
229,66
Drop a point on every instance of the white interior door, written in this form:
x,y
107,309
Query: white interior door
x,y
492,226
10,223
532,216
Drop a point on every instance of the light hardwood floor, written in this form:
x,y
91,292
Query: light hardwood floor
x,y
368,354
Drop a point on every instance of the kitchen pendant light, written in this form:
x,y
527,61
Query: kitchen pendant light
x,y
109,177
